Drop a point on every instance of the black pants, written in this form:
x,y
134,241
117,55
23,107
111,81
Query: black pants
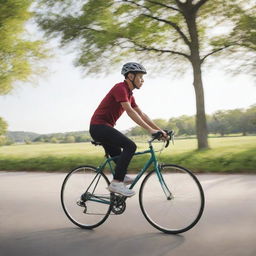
x,y
113,141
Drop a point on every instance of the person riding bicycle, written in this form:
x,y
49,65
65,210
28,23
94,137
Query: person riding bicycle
x,y
119,99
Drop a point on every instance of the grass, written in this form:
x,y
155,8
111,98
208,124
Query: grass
x,y
228,154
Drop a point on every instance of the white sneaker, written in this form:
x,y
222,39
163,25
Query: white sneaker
x,y
120,188
128,180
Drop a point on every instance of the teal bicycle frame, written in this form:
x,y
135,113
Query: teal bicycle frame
x,y
152,160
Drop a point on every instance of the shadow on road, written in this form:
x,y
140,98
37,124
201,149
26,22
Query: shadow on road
x,y
74,241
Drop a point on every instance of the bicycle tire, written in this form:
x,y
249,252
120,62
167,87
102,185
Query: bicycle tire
x,y
174,178
74,185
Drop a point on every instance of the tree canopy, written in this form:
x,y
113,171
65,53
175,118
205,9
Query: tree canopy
x,y
107,32
19,54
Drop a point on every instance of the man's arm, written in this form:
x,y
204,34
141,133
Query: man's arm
x,y
135,116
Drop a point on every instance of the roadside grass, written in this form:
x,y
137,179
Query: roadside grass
x,y
227,154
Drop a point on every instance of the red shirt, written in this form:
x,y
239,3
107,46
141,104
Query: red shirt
x,y
110,108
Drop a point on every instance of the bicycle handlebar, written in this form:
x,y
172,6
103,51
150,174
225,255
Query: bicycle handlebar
x,y
158,135
155,136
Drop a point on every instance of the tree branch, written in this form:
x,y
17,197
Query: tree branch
x,y
139,5
179,3
200,3
174,25
211,53
164,5
145,48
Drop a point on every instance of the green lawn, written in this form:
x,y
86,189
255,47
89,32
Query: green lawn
x,y
228,154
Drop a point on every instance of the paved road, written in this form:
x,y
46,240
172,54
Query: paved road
x,y
32,222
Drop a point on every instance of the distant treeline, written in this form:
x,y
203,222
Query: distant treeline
x,y
28,137
21,136
68,137
221,123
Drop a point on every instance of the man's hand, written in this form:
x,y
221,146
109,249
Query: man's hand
x,y
164,136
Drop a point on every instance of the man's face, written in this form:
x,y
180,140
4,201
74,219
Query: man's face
x,y
138,79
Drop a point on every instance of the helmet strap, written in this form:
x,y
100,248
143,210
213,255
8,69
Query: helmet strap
x,y
132,81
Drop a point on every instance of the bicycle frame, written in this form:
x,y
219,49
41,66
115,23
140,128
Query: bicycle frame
x,y
152,160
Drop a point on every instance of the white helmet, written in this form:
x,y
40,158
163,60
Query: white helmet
x,y
133,67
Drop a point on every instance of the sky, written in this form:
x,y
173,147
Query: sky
x,y
63,100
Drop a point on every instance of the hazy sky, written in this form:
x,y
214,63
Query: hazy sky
x,y
64,101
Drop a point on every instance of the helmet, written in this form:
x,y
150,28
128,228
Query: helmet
x,y
133,67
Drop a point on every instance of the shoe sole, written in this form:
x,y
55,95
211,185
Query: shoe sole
x,y
120,193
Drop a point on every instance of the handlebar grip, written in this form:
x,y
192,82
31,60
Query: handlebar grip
x,y
157,135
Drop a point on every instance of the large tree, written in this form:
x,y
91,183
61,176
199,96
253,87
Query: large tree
x,y
19,53
163,32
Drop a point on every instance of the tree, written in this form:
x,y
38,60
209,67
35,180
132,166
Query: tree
x,y
186,125
136,131
54,140
82,138
106,32
220,123
70,139
161,123
19,55
250,122
3,130
27,141
3,126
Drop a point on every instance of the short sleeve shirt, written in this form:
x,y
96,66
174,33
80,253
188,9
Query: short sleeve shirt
x,y
110,108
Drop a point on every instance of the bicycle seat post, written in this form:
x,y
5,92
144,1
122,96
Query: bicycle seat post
x,y
97,143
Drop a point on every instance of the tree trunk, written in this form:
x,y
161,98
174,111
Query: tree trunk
x,y
201,125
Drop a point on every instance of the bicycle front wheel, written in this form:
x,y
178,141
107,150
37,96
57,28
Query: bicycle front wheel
x,y
84,197
173,202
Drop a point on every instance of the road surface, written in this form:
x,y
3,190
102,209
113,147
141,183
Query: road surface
x,y
32,222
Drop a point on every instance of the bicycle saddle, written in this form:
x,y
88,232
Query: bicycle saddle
x,y
96,143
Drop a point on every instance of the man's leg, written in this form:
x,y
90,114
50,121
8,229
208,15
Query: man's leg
x,y
112,151
110,136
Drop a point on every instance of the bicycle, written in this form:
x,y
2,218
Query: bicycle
x,y
171,197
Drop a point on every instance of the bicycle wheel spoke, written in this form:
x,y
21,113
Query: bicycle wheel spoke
x,y
183,210
80,188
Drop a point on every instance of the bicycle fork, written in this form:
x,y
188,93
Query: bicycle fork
x,y
167,192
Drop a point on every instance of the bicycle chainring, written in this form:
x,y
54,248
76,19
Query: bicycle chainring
x,y
118,204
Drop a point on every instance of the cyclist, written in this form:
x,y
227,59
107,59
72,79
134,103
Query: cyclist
x,y
119,99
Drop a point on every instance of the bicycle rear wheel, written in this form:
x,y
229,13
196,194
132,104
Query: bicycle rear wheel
x,y
179,207
84,197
